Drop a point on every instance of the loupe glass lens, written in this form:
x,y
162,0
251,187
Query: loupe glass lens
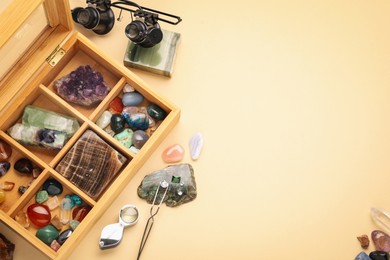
x,y
83,17
135,31
129,214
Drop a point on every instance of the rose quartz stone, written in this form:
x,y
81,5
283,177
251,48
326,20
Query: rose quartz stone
x,y
173,153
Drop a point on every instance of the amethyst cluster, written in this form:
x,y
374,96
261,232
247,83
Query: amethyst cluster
x,y
83,86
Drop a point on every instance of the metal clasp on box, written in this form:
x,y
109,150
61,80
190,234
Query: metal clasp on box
x,y
55,56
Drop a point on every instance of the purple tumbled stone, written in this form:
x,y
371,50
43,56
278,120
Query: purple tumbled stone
x,y
381,240
83,86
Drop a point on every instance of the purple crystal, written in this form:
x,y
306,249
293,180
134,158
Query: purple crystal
x,y
84,86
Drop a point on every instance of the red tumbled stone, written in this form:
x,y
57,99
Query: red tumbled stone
x,y
116,105
79,213
39,214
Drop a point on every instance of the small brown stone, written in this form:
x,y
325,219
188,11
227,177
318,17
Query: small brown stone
x,y
56,222
364,241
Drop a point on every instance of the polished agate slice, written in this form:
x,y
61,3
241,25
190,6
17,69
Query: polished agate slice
x,y
91,164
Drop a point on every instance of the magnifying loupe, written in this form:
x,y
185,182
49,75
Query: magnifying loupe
x,y
112,234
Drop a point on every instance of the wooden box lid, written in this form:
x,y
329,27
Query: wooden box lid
x,y
30,32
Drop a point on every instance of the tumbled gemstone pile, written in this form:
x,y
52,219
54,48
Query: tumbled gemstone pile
x,y
53,229
129,121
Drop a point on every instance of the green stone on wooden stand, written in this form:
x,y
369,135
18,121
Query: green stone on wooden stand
x,y
158,59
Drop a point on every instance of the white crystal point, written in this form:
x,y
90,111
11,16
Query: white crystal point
x,y
196,145
381,217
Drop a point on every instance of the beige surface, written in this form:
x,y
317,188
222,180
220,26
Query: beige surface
x,y
292,98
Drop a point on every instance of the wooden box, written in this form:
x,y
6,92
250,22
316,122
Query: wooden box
x,y
37,46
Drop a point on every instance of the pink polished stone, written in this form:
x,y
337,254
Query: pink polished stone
x,y
173,153
5,150
39,215
381,240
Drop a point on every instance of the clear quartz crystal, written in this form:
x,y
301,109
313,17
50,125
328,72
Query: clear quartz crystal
x,y
66,207
381,217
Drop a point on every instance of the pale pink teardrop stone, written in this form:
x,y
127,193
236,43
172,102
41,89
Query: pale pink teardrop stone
x,y
173,153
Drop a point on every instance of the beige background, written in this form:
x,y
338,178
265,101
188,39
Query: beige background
x,y
292,98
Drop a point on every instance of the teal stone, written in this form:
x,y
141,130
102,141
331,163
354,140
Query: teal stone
x,y
47,234
156,112
117,123
41,196
132,99
125,137
76,200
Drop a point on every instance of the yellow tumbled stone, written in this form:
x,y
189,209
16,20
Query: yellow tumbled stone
x,y
2,196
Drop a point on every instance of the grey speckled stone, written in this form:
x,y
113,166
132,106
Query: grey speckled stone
x,y
182,185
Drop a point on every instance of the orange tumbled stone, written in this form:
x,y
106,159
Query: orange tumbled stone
x,y
173,153
116,105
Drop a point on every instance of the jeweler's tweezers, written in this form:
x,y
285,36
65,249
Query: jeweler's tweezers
x,y
149,224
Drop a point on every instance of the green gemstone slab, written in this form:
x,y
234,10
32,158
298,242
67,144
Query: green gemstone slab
x,y
159,59
39,117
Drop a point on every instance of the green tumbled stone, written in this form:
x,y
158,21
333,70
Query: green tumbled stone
x,y
125,137
41,196
74,224
47,234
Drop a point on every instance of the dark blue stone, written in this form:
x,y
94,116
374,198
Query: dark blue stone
x,y
53,187
379,255
117,123
362,256
24,166
156,112
4,167
64,236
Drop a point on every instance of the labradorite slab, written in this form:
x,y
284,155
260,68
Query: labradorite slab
x,y
182,185
91,164
47,234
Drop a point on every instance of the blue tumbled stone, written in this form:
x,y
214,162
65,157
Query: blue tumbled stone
x,y
53,187
132,99
64,236
362,256
4,167
138,120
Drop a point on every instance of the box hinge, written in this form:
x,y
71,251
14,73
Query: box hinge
x,y
55,56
